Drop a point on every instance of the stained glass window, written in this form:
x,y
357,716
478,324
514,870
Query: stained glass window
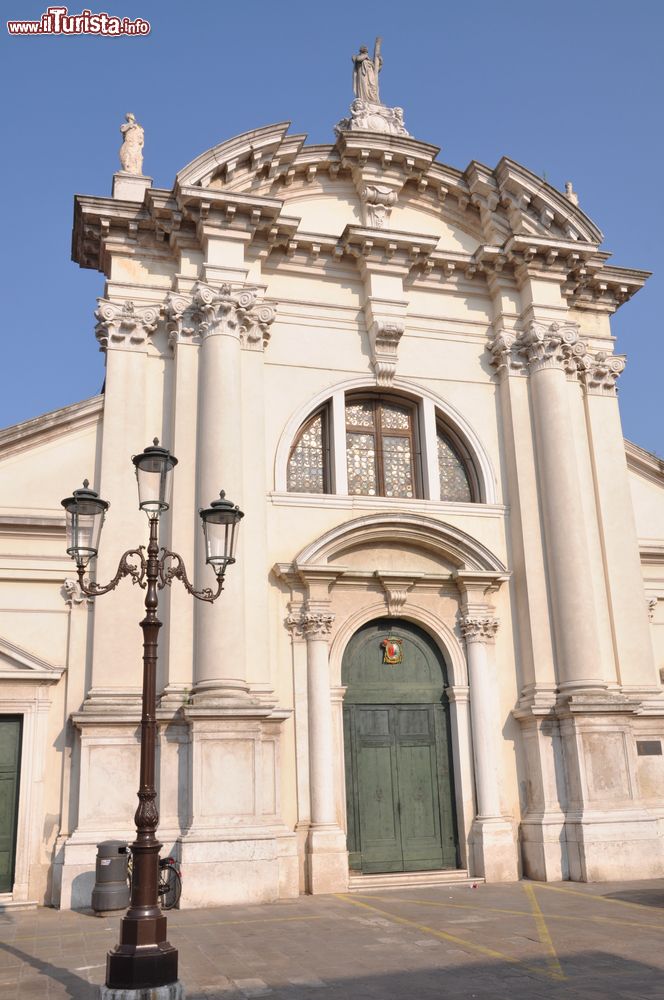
x,y
379,448
306,465
454,482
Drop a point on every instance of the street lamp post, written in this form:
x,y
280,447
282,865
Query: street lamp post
x,y
144,958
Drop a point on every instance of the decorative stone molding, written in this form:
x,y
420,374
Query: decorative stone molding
x,y
73,595
554,346
384,337
124,324
235,312
396,590
295,625
367,117
180,323
317,624
652,607
602,372
377,204
479,629
503,356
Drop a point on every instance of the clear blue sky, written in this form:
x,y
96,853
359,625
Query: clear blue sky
x,y
572,90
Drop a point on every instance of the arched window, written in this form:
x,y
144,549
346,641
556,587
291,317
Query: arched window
x,y
377,450
380,448
455,483
308,463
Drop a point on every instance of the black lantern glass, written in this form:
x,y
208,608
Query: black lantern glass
x,y
85,511
154,472
220,524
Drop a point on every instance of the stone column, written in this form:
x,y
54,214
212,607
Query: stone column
x,y
637,672
327,860
493,846
225,316
180,527
553,353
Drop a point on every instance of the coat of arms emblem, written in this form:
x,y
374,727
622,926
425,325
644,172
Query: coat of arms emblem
x,y
392,651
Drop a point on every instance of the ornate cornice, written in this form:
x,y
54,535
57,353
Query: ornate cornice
x,y
124,324
475,629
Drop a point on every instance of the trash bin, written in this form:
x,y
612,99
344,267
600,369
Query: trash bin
x,y
111,889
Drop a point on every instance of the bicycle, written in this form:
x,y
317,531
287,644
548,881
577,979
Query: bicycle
x,y
170,880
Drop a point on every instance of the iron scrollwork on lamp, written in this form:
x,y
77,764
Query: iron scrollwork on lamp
x,y
144,958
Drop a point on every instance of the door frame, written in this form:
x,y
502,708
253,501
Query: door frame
x,y
20,718
441,716
453,652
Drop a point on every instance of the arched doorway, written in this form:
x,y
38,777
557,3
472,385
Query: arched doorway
x,y
399,778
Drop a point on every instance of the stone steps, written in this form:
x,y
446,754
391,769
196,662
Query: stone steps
x,y
398,880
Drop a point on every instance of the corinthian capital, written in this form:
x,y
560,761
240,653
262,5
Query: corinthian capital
x,y
555,346
504,358
317,624
601,373
233,312
124,324
180,323
476,629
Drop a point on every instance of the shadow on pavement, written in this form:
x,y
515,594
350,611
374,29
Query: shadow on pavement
x,y
588,976
77,988
644,897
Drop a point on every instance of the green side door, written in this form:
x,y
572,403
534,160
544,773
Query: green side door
x,y
10,760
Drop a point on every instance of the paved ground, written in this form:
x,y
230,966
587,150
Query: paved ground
x,y
524,941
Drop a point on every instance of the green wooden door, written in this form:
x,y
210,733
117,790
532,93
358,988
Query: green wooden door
x,y
10,760
398,779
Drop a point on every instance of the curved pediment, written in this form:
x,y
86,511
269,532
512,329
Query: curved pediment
x,y
436,543
392,182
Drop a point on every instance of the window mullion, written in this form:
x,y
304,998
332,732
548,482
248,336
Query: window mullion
x,y
338,458
429,449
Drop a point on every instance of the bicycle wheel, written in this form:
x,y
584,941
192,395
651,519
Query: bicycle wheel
x,y
170,887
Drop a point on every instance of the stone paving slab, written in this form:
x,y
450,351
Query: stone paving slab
x,y
523,941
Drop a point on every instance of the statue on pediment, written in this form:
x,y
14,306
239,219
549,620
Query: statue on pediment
x,y
365,74
131,150
367,112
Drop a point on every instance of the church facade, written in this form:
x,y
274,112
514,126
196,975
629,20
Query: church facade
x,y
438,653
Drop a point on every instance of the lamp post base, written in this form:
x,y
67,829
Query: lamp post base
x,y
143,967
174,991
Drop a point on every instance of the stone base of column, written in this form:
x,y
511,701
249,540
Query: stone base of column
x,y
544,848
237,849
238,867
223,694
174,991
494,850
610,846
327,860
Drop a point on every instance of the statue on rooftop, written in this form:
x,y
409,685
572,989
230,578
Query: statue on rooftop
x,y
367,112
365,74
131,150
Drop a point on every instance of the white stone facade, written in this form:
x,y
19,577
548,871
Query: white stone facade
x,y
272,281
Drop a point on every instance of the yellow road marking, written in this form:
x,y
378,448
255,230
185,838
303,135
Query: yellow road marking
x,y
517,913
452,938
588,895
543,931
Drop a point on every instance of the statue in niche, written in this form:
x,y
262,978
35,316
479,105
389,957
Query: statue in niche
x,y
131,150
365,74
